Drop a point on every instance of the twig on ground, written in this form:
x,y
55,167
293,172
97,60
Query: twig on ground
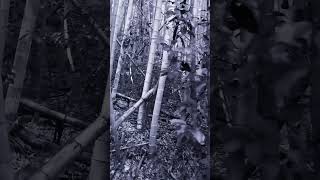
x,y
129,147
173,176
141,160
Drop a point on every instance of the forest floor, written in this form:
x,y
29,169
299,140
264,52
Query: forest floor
x,y
30,154
33,146
171,162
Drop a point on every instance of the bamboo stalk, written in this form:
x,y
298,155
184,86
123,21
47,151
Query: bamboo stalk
x,y
55,114
134,107
21,58
67,154
151,57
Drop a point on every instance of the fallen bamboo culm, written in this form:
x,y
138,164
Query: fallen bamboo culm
x,y
68,153
48,112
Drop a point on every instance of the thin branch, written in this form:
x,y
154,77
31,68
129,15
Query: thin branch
x,y
129,147
66,37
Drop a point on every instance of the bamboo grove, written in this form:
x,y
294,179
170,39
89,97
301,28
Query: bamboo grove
x,y
53,55
122,89
36,61
159,52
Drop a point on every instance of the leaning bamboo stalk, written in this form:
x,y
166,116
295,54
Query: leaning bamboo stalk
x,y
151,57
57,115
21,58
134,107
67,154
134,100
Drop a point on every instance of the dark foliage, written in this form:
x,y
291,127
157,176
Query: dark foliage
x,y
244,16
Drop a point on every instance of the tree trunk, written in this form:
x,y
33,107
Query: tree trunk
x,y
153,47
6,172
162,81
120,60
21,58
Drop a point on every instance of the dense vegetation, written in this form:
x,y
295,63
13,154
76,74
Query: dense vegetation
x,y
165,51
265,96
